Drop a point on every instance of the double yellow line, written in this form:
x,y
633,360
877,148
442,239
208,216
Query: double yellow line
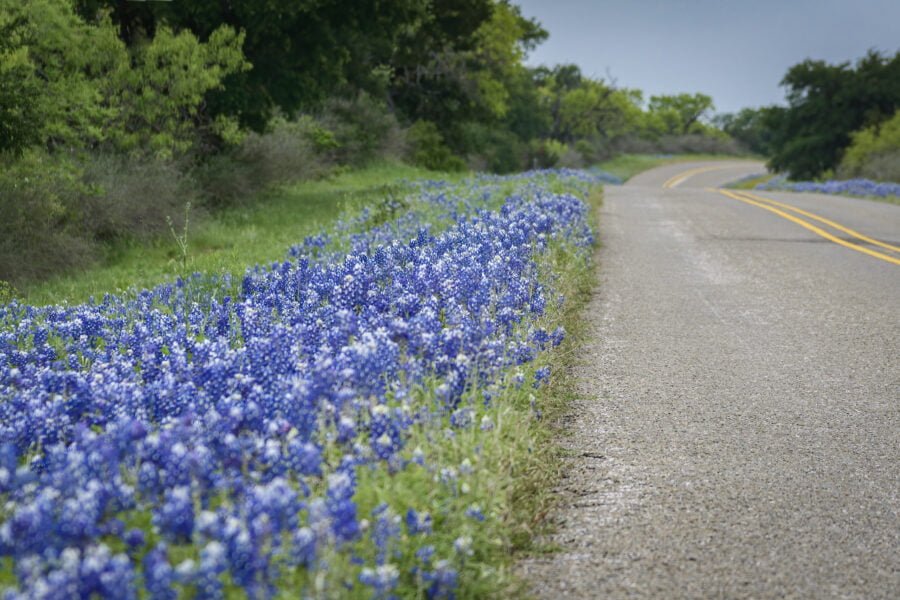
x,y
684,176
784,210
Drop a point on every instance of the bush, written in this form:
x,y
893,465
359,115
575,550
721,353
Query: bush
x,y
426,148
289,151
363,129
691,143
883,166
132,197
874,152
492,148
546,154
41,226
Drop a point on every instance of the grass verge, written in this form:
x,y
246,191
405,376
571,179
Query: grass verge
x,y
541,467
495,490
230,241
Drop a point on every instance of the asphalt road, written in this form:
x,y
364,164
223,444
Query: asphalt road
x,y
739,431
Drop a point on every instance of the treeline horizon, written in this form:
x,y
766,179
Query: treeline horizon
x,y
839,121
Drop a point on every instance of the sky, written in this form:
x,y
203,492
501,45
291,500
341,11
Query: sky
x,y
735,51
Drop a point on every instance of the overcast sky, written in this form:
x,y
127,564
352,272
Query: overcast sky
x,y
735,51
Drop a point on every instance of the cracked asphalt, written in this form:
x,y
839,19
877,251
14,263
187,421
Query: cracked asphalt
x,y
738,432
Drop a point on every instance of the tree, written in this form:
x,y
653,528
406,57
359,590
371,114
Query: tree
x,y
160,98
20,89
596,110
61,67
825,104
748,126
302,51
874,152
72,84
680,113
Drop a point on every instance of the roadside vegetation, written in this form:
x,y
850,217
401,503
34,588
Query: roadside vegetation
x,y
263,329
365,418
841,123
116,117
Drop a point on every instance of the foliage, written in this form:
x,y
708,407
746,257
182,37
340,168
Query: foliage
x,y
161,97
213,103
90,91
427,148
289,151
362,130
546,154
174,465
131,197
680,114
594,110
826,103
748,127
20,115
871,148
302,52
61,69
228,239
492,149
40,221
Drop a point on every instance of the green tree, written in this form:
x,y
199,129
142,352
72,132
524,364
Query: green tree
x,y
303,51
749,127
160,99
680,114
596,110
826,103
62,67
20,89
874,152
72,84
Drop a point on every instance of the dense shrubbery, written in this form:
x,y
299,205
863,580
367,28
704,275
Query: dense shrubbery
x,y
874,152
333,425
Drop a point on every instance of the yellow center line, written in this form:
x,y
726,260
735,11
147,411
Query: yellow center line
x,y
815,217
817,230
685,175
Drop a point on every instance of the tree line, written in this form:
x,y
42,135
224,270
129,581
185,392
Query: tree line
x,y
115,114
840,120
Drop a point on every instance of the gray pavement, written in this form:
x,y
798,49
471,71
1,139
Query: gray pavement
x,y
738,434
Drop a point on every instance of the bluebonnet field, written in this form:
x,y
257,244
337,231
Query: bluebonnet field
x,y
847,187
327,426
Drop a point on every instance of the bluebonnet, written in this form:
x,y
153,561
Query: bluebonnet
x,y
232,417
848,187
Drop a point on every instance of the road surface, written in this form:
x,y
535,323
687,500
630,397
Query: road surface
x,y
738,434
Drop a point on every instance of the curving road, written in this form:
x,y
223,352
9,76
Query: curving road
x,y
739,432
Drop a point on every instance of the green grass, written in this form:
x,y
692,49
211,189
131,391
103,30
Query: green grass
x,y
626,166
230,241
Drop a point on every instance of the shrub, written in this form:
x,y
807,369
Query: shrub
x,y
874,152
492,148
41,226
289,151
427,148
692,143
546,154
132,196
363,129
